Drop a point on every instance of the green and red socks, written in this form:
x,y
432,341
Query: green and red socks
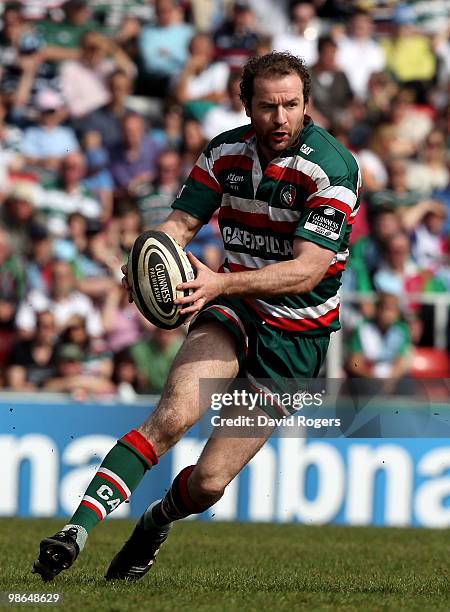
x,y
118,476
177,503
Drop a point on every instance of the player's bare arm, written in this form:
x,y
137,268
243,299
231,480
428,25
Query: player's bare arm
x,y
294,277
180,225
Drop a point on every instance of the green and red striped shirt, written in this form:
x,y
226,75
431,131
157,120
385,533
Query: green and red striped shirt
x,y
310,191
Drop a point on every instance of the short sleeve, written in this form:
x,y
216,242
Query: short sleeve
x,y
201,194
328,214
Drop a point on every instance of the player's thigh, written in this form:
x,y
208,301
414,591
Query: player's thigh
x,y
208,352
228,450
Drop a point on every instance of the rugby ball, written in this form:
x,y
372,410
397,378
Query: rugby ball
x,y
156,265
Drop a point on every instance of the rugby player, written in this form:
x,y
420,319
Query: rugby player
x,y
288,195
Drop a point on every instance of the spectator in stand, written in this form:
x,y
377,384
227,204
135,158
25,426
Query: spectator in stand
x,y
366,253
429,244
71,378
107,119
17,214
133,163
68,32
67,194
126,377
64,301
272,18
412,123
304,30
40,259
10,143
96,264
359,56
169,135
229,114
202,81
409,54
192,145
96,360
10,135
208,14
18,40
123,323
164,48
431,171
381,90
398,274
236,39
45,145
95,261
384,144
98,178
27,63
84,81
75,241
32,362
12,282
330,89
153,357
155,206
129,225
397,194
411,206
381,347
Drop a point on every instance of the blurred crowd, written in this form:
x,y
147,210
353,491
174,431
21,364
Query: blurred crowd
x,y
104,108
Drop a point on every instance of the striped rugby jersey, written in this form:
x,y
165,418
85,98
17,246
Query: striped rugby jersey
x,y
311,191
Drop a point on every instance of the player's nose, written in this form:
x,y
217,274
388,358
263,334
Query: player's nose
x,y
280,116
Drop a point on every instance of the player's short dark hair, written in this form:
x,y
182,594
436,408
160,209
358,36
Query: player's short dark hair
x,y
275,64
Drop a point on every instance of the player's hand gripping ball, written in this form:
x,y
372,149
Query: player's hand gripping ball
x,y
156,265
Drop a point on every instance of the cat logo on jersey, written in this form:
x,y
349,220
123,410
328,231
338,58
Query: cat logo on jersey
x,y
287,195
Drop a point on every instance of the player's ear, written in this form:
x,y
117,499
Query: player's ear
x,y
247,109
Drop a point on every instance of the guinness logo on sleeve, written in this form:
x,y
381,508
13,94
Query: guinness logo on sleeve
x,y
326,221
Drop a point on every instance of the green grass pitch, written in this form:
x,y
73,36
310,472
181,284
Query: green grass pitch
x,y
227,567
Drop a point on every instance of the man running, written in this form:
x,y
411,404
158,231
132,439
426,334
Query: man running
x,y
288,195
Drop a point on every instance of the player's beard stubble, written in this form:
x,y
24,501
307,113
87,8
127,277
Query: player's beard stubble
x,y
268,141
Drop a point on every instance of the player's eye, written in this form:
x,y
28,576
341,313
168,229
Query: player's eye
x,y
292,104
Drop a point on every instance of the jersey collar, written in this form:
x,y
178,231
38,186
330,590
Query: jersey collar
x,y
307,127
